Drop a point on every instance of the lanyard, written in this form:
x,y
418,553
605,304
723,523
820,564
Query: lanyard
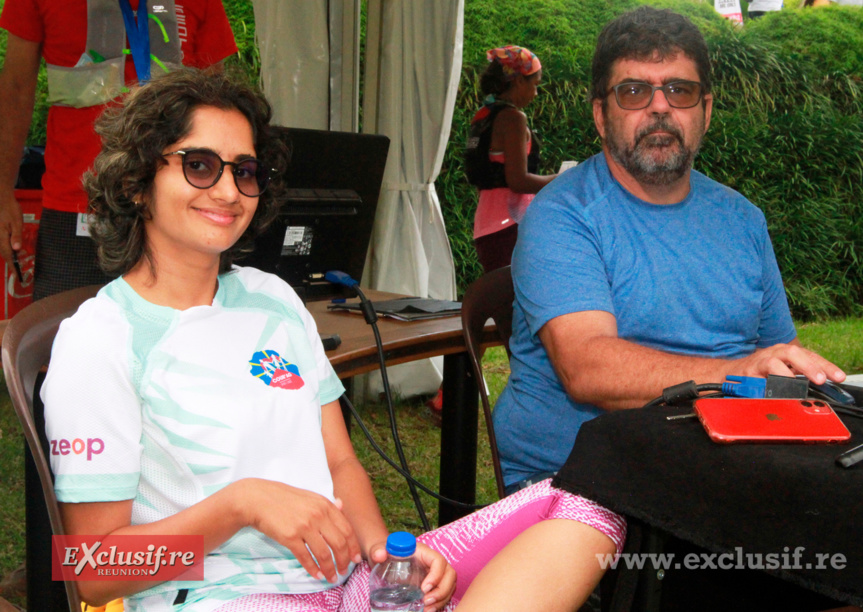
x,y
139,37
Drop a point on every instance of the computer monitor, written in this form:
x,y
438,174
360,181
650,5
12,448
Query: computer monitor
x,y
325,220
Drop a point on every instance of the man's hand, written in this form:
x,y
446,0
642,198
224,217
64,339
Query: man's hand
x,y
10,227
787,360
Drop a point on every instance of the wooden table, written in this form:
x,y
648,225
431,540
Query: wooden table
x,y
409,341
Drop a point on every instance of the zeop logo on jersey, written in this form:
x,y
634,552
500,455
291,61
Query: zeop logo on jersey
x,y
93,446
275,371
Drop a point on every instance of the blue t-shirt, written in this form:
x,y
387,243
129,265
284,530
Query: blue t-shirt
x,y
694,278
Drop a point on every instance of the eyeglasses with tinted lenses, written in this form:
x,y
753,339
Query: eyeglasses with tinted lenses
x,y
636,95
203,169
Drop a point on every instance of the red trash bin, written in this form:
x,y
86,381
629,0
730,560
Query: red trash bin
x,y
17,294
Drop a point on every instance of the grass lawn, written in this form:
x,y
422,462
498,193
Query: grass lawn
x,y
11,489
837,340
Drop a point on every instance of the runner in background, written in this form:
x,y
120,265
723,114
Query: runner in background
x,y
86,70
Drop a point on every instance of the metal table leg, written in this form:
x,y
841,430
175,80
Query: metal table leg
x,y
458,436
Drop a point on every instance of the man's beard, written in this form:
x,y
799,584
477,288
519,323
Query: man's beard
x,y
641,164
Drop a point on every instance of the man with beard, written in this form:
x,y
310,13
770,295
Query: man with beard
x,y
633,272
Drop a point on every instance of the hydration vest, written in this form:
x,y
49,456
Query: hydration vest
x,y
481,171
99,76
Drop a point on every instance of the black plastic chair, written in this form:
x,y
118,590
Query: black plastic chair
x,y
26,351
489,297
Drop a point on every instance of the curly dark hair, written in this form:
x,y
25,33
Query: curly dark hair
x,y
644,34
134,135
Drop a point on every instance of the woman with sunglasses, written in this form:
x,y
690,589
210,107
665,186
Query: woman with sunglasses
x,y
213,410
502,154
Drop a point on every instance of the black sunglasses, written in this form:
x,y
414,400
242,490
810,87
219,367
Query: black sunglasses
x,y
637,95
203,169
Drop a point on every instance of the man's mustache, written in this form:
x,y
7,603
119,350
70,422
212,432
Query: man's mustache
x,y
660,125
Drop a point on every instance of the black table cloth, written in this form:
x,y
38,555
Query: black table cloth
x,y
748,499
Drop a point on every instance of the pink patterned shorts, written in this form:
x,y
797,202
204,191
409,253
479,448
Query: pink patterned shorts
x,y
468,544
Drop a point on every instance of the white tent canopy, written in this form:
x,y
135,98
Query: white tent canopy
x,y
310,72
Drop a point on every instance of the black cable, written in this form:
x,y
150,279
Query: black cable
x,y
841,409
689,390
846,409
371,318
407,476
711,395
684,392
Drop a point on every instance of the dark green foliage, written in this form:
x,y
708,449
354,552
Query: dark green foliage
x,y
787,128
242,17
829,37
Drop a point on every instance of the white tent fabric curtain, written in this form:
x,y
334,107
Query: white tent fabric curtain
x,y
413,65
310,61
293,40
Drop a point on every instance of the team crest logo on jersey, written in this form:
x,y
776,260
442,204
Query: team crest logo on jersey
x,y
275,371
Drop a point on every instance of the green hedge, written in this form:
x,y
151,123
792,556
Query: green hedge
x,y
787,129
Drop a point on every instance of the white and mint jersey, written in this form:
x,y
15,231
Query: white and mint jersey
x,y
165,407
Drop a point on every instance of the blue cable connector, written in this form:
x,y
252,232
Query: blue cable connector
x,y
744,386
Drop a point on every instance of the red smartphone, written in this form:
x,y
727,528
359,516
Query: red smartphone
x,y
729,420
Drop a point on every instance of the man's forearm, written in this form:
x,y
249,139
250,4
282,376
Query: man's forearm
x,y
597,367
18,84
15,117
616,374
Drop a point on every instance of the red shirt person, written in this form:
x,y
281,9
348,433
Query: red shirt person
x,y
60,33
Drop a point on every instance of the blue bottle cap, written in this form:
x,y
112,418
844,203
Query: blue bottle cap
x,y
401,544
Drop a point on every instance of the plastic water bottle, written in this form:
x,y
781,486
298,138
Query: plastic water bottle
x,y
396,584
